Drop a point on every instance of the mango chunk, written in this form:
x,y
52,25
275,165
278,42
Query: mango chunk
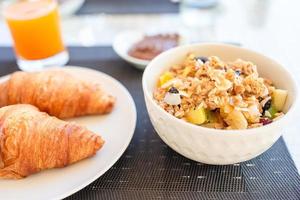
x,y
165,77
197,116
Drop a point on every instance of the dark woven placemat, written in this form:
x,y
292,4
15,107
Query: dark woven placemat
x,y
128,7
151,170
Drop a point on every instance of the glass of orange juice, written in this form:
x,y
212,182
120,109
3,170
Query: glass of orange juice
x,y
35,29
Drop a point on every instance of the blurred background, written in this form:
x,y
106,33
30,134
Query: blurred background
x,y
266,25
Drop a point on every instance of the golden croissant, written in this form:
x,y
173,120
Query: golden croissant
x,y
56,92
31,141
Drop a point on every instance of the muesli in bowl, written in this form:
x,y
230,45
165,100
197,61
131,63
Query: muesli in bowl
x,y
209,92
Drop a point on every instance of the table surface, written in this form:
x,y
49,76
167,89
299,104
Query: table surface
x,y
128,6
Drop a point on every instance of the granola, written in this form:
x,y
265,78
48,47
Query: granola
x,y
218,94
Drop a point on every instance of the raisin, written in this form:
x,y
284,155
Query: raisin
x,y
173,90
267,106
238,73
265,121
216,110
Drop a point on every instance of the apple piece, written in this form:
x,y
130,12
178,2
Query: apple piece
x,y
236,120
270,113
278,98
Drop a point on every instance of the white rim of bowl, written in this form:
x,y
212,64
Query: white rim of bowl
x,y
290,111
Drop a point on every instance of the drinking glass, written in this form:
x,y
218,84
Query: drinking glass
x,y
35,29
197,13
198,18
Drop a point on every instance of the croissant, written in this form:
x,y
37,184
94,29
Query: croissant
x,y
56,92
31,141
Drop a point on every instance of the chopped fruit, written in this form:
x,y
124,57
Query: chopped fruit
x,y
227,95
236,120
270,113
165,77
211,116
172,98
265,121
197,116
253,114
279,98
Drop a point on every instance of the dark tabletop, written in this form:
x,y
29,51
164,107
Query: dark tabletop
x,y
128,7
149,169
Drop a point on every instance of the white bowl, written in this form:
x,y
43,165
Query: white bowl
x,y
126,39
212,146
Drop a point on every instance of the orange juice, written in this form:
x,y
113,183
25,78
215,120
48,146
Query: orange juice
x,y
35,29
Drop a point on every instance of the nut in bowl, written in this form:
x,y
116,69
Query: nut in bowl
x,y
187,129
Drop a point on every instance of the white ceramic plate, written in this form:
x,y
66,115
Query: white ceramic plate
x,y
124,40
116,128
